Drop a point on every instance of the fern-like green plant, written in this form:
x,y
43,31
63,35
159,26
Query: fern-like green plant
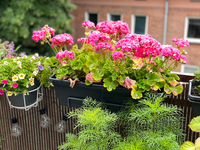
x,y
158,125
148,125
97,128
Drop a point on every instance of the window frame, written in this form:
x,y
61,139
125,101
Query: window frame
x,y
90,12
109,16
191,66
191,40
133,23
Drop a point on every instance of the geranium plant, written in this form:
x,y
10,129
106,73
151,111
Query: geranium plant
x,y
133,61
19,73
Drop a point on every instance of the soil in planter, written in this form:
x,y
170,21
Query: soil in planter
x,y
194,91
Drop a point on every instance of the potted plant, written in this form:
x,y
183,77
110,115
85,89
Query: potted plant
x,y
107,64
194,94
20,77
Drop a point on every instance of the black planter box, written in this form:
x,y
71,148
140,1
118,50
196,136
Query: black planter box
x,y
18,100
73,97
195,100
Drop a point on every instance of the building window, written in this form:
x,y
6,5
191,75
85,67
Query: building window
x,y
192,29
139,24
189,69
114,17
92,16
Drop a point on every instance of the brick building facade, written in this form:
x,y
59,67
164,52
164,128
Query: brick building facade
x,y
148,17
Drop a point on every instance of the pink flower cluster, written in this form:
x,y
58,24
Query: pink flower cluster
x,y
103,46
89,77
63,56
88,24
117,55
46,31
141,45
62,39
181,42
173,53
113,27
94,37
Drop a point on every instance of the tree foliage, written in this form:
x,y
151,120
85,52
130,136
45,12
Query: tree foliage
x,y
19,18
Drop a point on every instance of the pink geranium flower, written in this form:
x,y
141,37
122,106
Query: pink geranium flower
x,y
4,81
15,85
117,55
89,77
63,39
88,24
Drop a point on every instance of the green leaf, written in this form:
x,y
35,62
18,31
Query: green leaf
x,y
167,89
153,78
87,82
92,60
172,81
135,93
111,85
195,124
97,74
175,90
187,146
176,77
197,144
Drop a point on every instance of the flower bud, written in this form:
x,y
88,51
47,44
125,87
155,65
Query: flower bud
x,y
42,43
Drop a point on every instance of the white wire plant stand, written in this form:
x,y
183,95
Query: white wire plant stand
x,y
38,94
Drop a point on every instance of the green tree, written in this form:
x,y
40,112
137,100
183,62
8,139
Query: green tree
x,y
19,18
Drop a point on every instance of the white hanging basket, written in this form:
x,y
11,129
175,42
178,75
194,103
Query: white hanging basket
x,y
26,102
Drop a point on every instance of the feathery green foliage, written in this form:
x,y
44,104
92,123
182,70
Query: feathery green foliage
x,y
148,125
157,124
97,128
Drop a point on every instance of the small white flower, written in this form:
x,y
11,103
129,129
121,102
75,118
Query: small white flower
x,y
5,63
14,78
33,57
20,66
27,86
38,63
18,57
19,62
31,79
21,76
47,58
36,55
24,56
35,72
14,60
32,83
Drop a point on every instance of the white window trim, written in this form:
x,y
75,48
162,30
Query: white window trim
x,y
109,14
87,15
191,66
133,23
191,40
